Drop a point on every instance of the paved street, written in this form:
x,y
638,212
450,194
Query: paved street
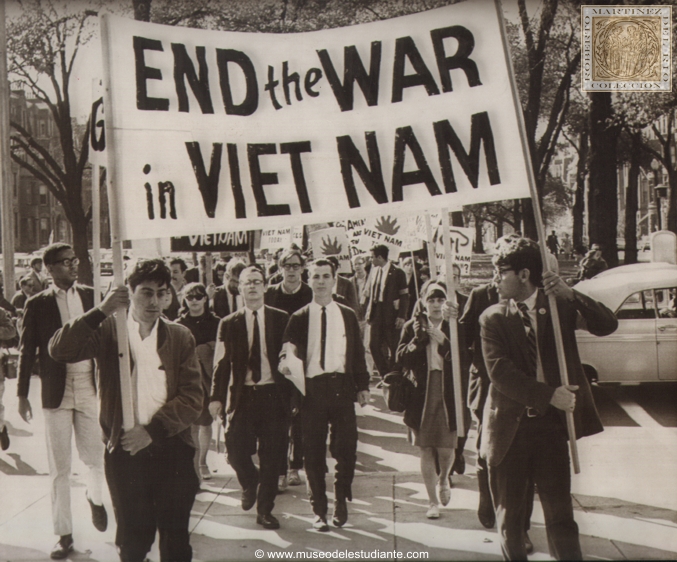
x,y
625,496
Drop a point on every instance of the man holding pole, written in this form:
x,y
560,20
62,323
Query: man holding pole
x,y
524,437
149,468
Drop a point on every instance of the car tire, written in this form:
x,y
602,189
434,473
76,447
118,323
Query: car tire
x,y
591,374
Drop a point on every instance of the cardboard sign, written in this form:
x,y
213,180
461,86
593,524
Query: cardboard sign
x,y
461,248
222,242
332,242
210,131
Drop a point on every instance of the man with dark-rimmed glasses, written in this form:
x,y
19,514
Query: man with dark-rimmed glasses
x,y
68,393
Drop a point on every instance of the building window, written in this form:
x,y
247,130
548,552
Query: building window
x,y
44,230
43,195
43,129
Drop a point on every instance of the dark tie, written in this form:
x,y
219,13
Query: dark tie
x,y
323,336
531,337
234,307
255,352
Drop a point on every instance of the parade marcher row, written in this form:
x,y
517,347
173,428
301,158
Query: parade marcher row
x,y
513,389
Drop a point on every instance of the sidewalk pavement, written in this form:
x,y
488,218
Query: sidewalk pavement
x,y
387,513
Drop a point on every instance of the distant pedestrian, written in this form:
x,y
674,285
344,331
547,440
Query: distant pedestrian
x,y
552,243
7,332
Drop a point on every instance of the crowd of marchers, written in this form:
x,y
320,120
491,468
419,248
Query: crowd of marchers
x,y
279,352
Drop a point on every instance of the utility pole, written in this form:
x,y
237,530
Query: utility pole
x,y
7,209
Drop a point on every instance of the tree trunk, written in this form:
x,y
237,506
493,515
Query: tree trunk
x,y
517,214
603,192
529,220
80,247
479,243
141,9
631,201
672,202
499,228
578,209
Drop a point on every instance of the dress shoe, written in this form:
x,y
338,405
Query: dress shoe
x,y
267,521
62,548
340,513
293,477
528,545
320,524
204,472
485,513
445,495
99,516
459,464
433,512
4,439
282,484
249,497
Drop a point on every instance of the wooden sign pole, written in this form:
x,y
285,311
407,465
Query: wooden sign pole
x,y
126,394
459,395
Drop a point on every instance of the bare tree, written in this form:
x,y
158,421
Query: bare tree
x,y
43,44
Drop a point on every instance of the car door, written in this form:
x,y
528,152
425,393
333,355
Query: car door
x,y
666,333
631,351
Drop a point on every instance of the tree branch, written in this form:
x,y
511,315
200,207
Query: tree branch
x,y
29,141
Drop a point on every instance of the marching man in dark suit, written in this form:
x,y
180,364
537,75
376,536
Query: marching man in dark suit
x,y
68,393
256,394
524,436
387,309
325,335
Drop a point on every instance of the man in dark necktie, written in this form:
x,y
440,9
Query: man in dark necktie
x,y
325,335
257,397
387,309
524,434
227,298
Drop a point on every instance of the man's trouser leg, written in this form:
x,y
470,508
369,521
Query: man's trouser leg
x,y
88,441
315,420
58,433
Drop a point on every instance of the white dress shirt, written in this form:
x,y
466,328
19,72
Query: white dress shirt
x,y
148,375
335,345
70,306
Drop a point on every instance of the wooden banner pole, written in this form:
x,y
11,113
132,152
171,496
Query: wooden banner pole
x,y
432,260
535,203
209,274
126,395
413,265
459,395
96,231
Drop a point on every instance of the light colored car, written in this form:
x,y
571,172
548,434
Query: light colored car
x,y
644,347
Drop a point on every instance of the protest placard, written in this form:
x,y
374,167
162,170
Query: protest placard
x,y
219,242
213,131
461,248
332,242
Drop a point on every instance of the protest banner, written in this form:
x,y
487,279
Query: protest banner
x,y
213,129
332,242
220,242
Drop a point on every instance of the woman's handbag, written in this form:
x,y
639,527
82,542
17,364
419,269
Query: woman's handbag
x,y
398,391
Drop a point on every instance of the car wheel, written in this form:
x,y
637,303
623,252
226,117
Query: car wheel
x,y
591,374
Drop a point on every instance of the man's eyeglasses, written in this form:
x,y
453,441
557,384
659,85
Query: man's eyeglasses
x,y
195,297
252,283
292,266
69,262
499,271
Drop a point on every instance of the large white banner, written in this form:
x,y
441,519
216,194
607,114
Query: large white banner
x,y
215,131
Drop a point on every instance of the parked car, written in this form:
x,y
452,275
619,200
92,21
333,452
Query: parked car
x,y
644,347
